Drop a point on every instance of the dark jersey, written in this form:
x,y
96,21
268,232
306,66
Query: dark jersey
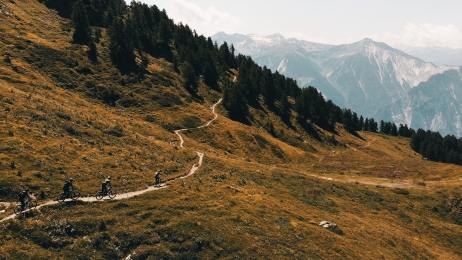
x,y
67,184
107,182
22,195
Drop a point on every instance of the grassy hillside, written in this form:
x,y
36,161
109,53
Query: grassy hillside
x,y
259,194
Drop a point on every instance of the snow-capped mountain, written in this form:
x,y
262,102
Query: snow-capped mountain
x,y
371,78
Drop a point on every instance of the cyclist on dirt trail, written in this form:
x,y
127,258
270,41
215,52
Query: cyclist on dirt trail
x,y
105,185
157,176
67,186
22,196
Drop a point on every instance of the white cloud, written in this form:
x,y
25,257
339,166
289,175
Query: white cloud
x,y
206,22
424,35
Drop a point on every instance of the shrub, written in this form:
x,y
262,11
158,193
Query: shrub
x,y
117,131
167,99
7,59
102,226
63,115
190,121
71,129
128,102
400,191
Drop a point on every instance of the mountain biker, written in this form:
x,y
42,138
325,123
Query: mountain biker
x,y
67,186
22,196
157,176
105,185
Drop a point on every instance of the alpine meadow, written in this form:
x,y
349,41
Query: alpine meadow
x,y
253,166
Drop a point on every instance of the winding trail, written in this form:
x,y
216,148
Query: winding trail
x,y
177,132
136,193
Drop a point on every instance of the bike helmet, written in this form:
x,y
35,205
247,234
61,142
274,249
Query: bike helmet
x,y
109,177
71,179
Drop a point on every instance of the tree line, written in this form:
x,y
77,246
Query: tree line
x,y
432,146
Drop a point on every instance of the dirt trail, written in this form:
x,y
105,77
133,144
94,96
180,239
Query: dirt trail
x,y
177,132
151,188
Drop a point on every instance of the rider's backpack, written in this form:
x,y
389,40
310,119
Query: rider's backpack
x,y
21,195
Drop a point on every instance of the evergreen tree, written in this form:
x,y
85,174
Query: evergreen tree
x,y
210,75
394,130
285,109
355,122
121,44
382,126
93,52
234,101
225,56
347,120
82,29
373,126
361,123
269,88
190,81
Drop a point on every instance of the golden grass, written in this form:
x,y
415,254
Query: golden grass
x,y
256,196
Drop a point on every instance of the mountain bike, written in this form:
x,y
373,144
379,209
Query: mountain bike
x,y
30,204
73,194
110,192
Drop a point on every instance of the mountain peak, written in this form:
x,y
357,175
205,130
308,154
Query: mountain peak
x,y
367,41
276,36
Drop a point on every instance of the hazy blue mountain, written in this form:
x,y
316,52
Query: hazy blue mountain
x,y
437,55
435,104
371,75
371,78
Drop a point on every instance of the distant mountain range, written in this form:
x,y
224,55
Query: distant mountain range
x,y
436,55
371,78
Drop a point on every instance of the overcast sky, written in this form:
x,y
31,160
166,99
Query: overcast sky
x,y
396,22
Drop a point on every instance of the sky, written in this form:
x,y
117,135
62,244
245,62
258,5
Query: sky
x,y
416,23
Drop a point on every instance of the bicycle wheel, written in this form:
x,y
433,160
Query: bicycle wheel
x,y
17,209
75,194
61,197
99,195
32,204
112,194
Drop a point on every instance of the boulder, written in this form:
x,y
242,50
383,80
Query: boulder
x,y
331,226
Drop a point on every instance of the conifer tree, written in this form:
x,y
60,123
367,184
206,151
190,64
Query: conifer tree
x,y
82,30
394,130
285,109
189,76
382,127
373,125
234,101
361,123
92,52
121,44
210,74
